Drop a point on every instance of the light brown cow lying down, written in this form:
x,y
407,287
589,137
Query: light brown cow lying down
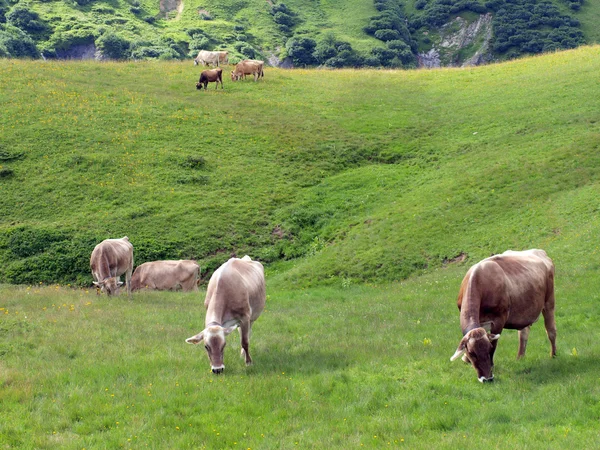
x,y
235,297
110,259
166,275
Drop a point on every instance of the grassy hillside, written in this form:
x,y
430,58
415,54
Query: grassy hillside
x,y
370,175
348,33
346,180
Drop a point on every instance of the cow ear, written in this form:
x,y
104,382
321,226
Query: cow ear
x,y
493,337
96,284
228,331
195,339
462,347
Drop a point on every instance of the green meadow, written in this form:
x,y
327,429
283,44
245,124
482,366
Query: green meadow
x,y
367,194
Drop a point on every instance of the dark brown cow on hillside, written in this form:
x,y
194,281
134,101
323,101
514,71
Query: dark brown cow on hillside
x,y
235,297
504,291
166,275
210,76
110,259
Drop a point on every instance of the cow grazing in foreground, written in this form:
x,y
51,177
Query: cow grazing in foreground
x,y
206,57
110,259
210,76
166,275
235,297
248,67
504,291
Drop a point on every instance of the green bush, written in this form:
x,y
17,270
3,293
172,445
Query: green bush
x,y
16,43
22,17
113,46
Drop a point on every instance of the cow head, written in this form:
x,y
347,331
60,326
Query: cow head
x,y
477,348
110,285
195,62
198,85
214,343
234,76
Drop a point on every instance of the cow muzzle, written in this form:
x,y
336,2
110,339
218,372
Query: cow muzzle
x,y
218,370
483,379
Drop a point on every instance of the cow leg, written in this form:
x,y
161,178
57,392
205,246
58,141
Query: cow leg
x,y
492,351
550,325
245,328
523,336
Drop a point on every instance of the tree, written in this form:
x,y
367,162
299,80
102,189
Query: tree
x,y
301,50
113,46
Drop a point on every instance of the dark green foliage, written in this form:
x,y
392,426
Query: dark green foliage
x,y
245,49
46,254
531,26
390,26
3,11
194,162
161,48
301,49
283,17
333,53
61,42
16,43
6,173
387,35
575,5
27,20
113,46
6,156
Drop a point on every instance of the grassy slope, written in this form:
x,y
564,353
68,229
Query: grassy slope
x,y
345,19
336,366
293,151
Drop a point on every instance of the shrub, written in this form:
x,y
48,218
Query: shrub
x,y
15,43
113,46
387,35
301,49
27,20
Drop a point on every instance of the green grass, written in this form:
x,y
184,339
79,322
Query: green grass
x,y
339,166
334,367
357,189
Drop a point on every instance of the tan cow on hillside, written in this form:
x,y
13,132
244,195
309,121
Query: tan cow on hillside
x,y
235,297
504,291
166,275
110,259
248,67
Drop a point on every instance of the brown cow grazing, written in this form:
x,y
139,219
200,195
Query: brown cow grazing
x,y
210,76
235,297
110,259
504,291
166,275
248,67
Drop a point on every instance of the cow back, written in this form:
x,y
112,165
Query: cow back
x,y
111,258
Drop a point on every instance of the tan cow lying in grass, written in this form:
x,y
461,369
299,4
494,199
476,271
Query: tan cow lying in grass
x,y
504,291
235,297
166,275
110,259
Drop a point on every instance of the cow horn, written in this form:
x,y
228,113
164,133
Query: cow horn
x,y
457,354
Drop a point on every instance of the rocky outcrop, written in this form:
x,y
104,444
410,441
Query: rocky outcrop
x,y
461,43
